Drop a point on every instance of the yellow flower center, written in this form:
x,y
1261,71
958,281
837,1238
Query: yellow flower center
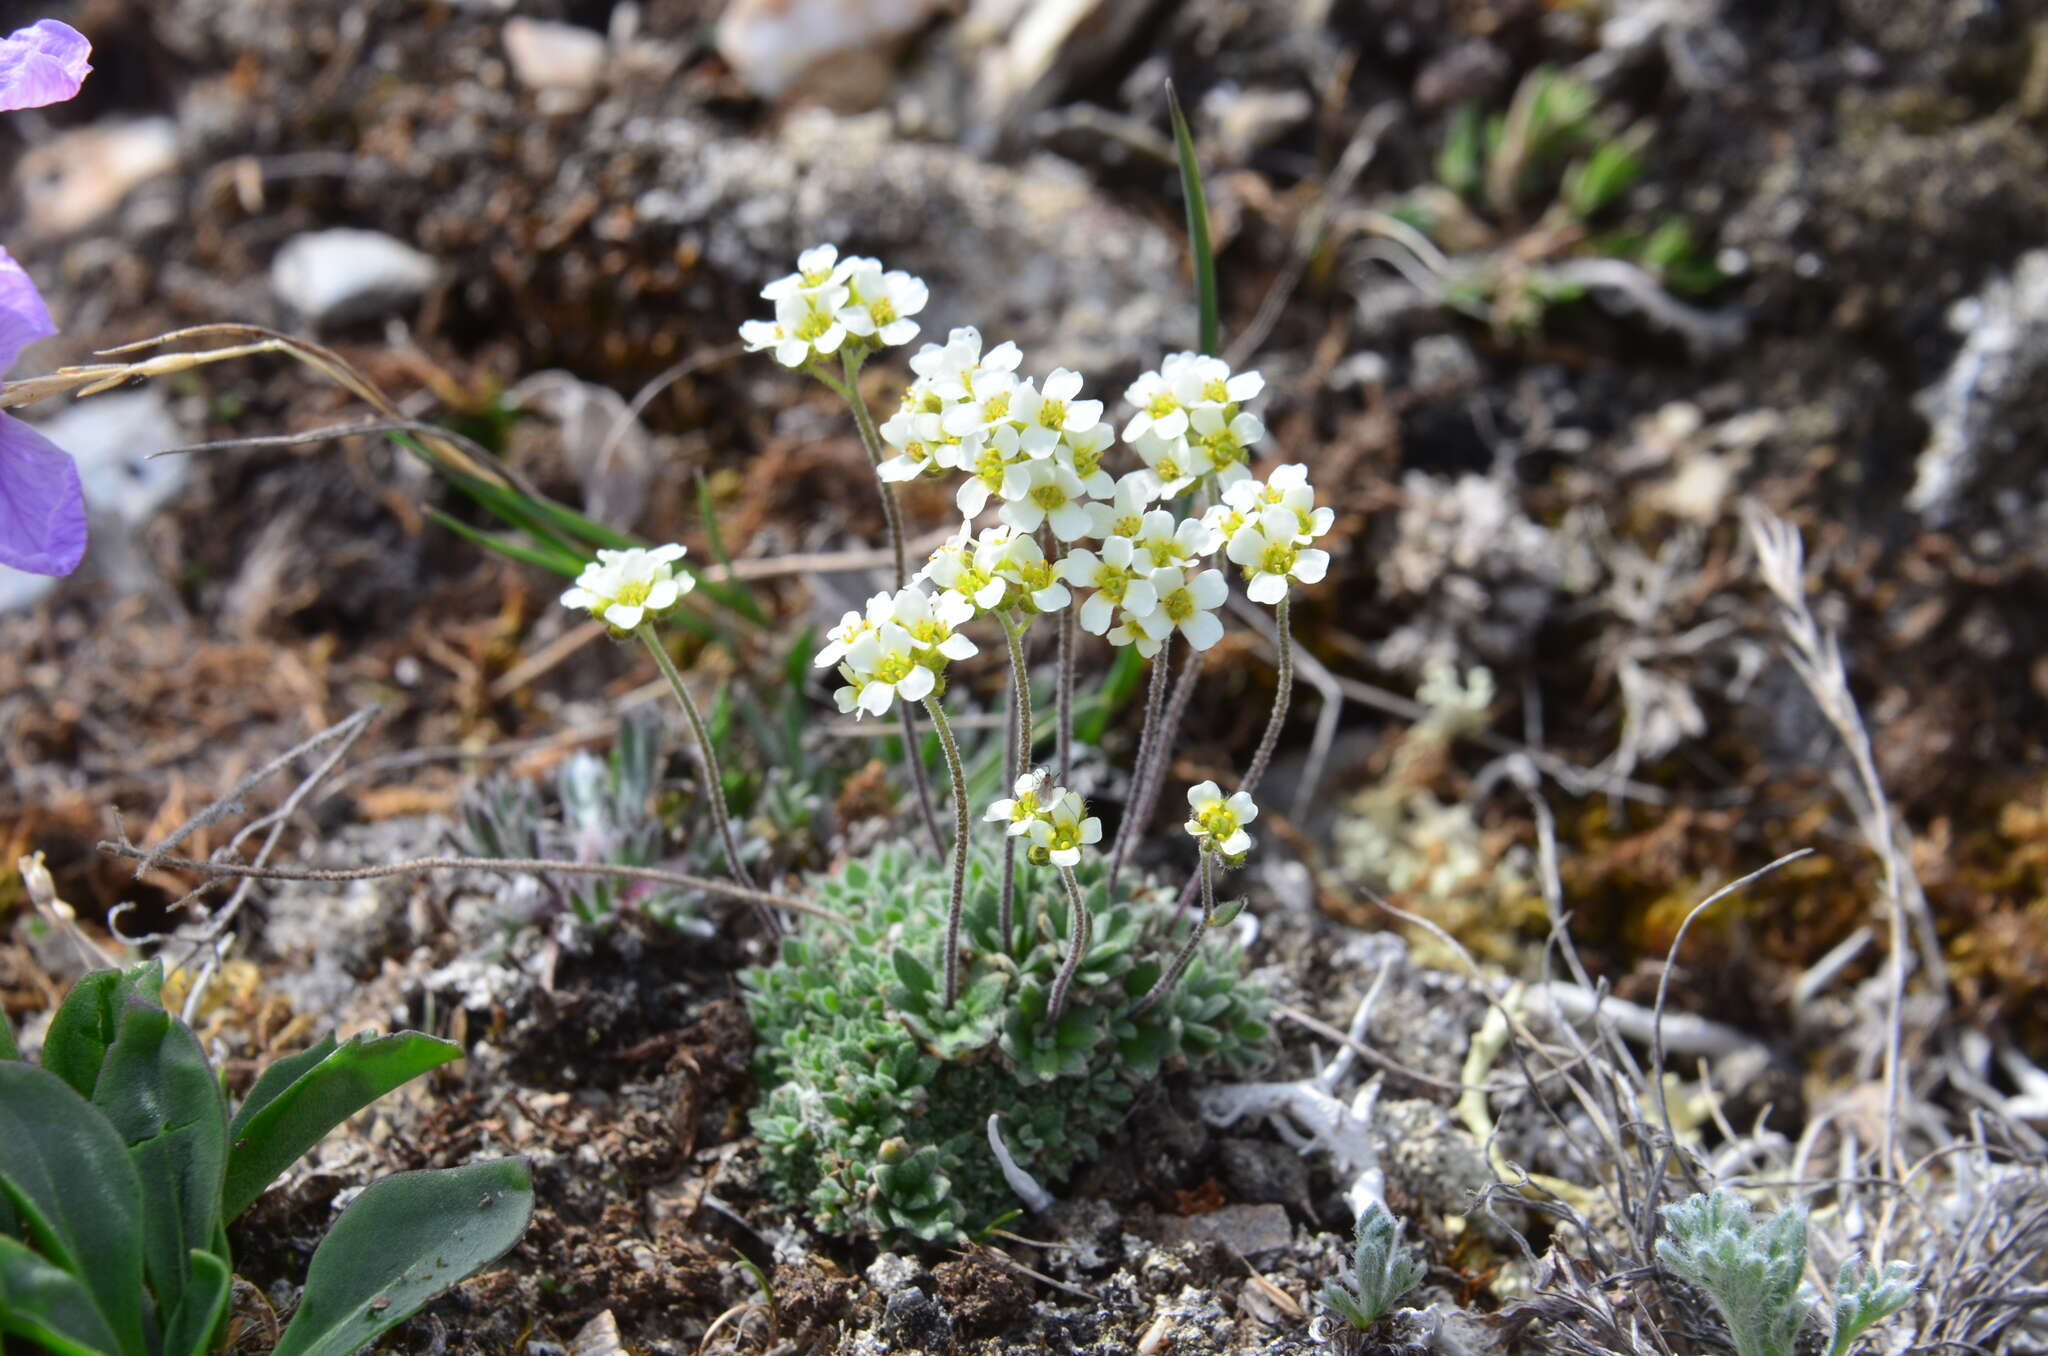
x,y
1161,404
1215,391
1052,414
882,311
998,406
1049,497
1113,581
814,325
1217,821
1127,526
1087,461
893,668
1278,558
1179,605
634,594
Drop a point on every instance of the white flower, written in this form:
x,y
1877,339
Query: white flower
x,y
931,622
1050,411
624,588
987,406
1145,631
957,568
1124,514
852,626
1266,546
1159,408
1170,464
1287,487
997,469
816,268
1063,828
882,665
1016,558
1217,824
1023,806
1083,452
880,304
1047,492
1223,442
1189,604
1185,382
1116,578
1164,540
807,325
954,370
922,447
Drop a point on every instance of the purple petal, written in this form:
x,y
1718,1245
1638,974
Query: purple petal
x,y
23,317
44,63
42,509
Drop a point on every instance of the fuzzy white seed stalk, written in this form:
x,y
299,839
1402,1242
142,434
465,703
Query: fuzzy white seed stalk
x,y
1019,753
959,900
1081,933
714,779
1205,877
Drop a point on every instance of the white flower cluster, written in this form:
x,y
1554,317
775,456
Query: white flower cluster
x,y
1190,422
898,647
830,303
1055,819
1269,530
624,588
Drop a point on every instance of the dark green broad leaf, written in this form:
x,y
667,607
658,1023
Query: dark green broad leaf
x,y
77,1197
160,1095
8,1049
301,1097
403,1241
201,1308
89,1018
49,1306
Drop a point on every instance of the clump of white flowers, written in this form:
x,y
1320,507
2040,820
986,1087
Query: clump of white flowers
x,y
622,589
1129,554
897,648
829,303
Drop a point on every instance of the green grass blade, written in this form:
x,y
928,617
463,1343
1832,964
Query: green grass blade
x,y
1198,227
557,559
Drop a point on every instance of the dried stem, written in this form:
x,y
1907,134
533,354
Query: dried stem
x,y
1205,876
1080,934
714,779
510,865
1155,702
959,902
1283,694
1153,775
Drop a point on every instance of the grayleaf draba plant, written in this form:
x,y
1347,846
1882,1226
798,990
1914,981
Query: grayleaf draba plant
x,y
1129,558
1382,1270
1753,1270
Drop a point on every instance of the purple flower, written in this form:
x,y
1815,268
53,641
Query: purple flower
x,y
44,63
42,509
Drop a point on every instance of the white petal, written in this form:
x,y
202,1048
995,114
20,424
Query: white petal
x,y
1266,588
1310,566
625,616
1202,630
917,685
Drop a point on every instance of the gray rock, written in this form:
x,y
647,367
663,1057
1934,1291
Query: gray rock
x,y
914,1321
893,1272
1254,1231
1984,410
1264,1173
333,276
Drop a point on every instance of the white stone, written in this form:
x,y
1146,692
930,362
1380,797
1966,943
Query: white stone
x,y
553,58
347,274
772,44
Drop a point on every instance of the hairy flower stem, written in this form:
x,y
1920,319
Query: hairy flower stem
x,y
1153,775
892,516
1080,934
953,911
1283,693
1204,875
1064,720
1018,754
1155,701
714,779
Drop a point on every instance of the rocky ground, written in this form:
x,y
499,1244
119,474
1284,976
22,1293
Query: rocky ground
x,y
1540,437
